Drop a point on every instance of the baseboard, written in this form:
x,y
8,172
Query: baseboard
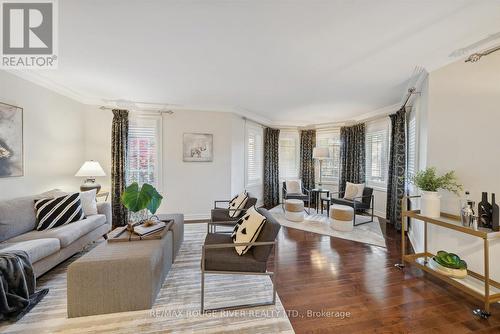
x,y
380,214
196,216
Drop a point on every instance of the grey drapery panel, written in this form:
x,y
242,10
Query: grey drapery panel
x,y
352,155
397,168
119,142
271,167
307,144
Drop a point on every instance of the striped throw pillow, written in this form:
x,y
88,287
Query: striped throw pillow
x,y
53,212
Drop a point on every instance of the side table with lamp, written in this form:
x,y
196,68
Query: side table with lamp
x,y
320,154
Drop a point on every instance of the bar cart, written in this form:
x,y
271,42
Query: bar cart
x,y
480,286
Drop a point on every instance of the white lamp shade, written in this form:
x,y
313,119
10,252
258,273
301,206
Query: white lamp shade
x,y
90,168
321,153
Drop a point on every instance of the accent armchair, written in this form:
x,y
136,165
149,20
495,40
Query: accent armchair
x,y
304,196
220,216
360,203
220,257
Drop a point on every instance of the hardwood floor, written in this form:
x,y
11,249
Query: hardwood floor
x,y
319,273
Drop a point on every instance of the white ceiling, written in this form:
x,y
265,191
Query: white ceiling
x,y
286,62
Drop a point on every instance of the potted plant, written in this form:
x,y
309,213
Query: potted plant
x,y
429,183
141,200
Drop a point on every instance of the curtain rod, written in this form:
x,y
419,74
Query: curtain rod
x,y
411,91
169,112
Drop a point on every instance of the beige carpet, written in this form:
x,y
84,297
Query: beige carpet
x,y
319,223
177,306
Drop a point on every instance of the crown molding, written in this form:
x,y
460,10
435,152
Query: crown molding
x,y
36,78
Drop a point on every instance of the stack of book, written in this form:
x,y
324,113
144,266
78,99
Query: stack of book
x,y
143,231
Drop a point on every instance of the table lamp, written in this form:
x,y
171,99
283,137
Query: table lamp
x,y
90,169
321,153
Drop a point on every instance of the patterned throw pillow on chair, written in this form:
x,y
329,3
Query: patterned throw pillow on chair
x,y
247,229
53,212
238,203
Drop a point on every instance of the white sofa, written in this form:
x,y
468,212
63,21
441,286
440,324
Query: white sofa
x,y
48,248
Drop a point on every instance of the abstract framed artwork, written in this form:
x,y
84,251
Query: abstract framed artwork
x,y
198,147
11,141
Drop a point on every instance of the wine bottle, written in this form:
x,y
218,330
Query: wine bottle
x,y
484,211
494,214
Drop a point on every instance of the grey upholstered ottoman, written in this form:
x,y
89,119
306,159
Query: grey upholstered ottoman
x,y
119,276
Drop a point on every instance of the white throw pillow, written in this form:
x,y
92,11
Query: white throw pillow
x,y
238,203
294,186
353,190
247,229
89,202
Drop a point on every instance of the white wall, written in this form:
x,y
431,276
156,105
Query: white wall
x,y
461,132
53,138
188,187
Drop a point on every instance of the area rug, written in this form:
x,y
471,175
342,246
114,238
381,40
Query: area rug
x,y
370,233
177,307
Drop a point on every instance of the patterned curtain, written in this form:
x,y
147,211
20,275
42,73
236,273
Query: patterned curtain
x,y
352,155
119,141
307,144
271,167
397,168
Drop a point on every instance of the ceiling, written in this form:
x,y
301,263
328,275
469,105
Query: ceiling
x,y
281,62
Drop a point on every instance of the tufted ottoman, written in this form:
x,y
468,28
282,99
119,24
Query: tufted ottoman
x,y
341,217
294,210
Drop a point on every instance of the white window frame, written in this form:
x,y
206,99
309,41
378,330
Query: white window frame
x,y
136,118
294,135
328,133
412,115
371,127
257,132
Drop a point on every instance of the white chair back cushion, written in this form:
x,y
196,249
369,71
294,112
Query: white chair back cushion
x,y
294,186
353,190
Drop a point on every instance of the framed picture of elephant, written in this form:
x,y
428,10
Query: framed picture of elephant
x,y
198,147
11,141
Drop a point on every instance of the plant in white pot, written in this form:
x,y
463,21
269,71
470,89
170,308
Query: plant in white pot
x,y
429,183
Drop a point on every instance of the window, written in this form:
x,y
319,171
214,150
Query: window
x,y
411,158
289,155
377,153
144,150
330,168
254,155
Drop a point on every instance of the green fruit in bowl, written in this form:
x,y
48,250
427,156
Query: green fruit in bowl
x,y
450,260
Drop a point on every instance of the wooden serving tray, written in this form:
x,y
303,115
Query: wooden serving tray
x,y
120,234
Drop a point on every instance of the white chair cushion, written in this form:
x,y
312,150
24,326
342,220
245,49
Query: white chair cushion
x,y
247,229
294,186
237,203
353,190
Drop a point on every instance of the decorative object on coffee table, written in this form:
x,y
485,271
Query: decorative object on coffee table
x,y
429,183
141,200
198,147
90,169
11,141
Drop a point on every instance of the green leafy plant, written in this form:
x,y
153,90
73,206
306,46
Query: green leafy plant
x,y
428,180
137,198
450,260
